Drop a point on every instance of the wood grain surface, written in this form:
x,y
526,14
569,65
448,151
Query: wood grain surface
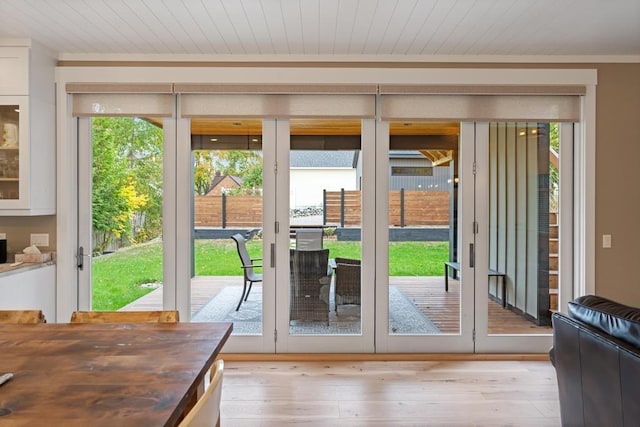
x,y
22,316
147,316
104,374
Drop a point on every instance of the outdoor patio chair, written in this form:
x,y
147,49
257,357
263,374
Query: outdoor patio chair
x,y
309,239
22,316
347,282
152,316
248,265
310,282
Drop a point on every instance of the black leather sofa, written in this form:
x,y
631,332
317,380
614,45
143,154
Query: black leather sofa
x,y
596,354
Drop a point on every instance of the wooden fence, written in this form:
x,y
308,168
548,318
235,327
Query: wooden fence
x,y
341,208
228,211
406,208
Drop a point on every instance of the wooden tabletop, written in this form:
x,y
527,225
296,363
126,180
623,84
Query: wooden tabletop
x,y
107,374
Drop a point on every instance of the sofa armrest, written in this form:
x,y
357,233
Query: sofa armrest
x,y
615,319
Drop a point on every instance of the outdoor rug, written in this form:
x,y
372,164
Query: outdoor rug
x,y
405,318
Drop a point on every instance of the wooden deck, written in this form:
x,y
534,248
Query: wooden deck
x,y
427,293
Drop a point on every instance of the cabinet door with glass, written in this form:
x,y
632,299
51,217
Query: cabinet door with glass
x,y
14,136
27,157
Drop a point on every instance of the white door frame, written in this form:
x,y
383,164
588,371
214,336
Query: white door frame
x,y
524,343
84,214
263,343
363,343
67,168
461,342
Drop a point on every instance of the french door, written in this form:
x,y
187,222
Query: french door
x,y
490,202
444,218
332,171
524,211
126,164
425,206
312,148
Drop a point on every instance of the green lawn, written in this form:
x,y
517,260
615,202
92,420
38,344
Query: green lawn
x,y
117,278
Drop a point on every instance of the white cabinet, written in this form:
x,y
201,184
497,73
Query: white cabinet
x,y
27,123
30,288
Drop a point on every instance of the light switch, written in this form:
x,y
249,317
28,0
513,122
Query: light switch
x,y
40,239
606,241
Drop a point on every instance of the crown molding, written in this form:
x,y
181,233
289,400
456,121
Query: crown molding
x,y
68,59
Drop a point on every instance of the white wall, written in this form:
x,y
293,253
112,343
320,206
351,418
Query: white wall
x,y
306,185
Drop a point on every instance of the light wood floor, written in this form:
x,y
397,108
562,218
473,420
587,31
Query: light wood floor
x,y
377,393
427,293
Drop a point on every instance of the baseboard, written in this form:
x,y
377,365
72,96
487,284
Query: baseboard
x,y
395,357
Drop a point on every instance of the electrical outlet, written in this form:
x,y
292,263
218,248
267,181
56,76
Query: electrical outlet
x,y
40,239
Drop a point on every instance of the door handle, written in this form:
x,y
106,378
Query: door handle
x,y
273,256
80,258
472,256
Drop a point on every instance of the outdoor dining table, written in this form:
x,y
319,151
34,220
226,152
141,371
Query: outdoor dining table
x,y
105,374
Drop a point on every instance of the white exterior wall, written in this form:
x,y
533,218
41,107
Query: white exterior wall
x,y
306,185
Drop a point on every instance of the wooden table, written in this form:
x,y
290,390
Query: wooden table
x,y
142,374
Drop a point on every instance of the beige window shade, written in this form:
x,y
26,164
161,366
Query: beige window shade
x,y
119,87
482,90
282,89
277,106
124,105
481,107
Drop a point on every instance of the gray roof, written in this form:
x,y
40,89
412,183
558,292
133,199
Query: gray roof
x,y
322,159
405,154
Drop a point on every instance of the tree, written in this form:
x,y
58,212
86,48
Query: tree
x,y
127,179
244,164
554,173
203,171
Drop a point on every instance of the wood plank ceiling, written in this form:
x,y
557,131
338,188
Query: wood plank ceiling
x,y
210,126
400,30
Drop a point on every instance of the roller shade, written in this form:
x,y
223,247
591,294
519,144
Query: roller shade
x,y
121,104
481,107
277,106
481,103
483,90
281,89
119,87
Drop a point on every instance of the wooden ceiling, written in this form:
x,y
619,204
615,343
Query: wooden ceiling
x,y
250,127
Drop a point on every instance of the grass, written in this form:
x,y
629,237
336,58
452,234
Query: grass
x,y
117,277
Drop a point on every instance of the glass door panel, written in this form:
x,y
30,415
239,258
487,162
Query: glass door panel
x,y
122,231
424,272
10,124
228,207
523,237
325,299
518,263
325,220
429,304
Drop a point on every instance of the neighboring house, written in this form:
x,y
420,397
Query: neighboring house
x,y
222,183
411,170
315,171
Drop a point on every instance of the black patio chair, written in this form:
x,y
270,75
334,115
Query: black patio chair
x,y
248,265
347,282
310,283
